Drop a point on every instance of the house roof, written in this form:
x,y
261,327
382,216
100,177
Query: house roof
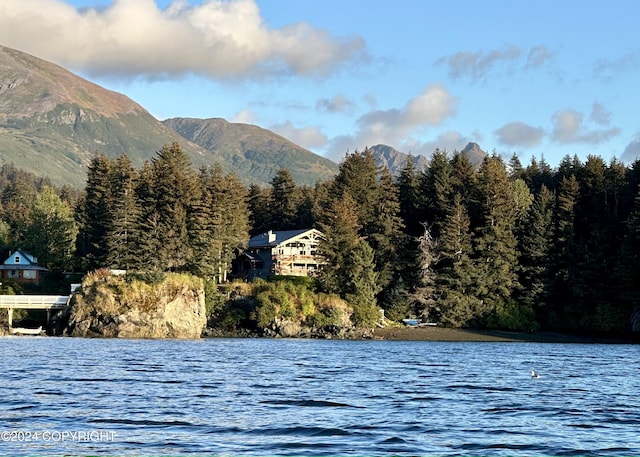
x,y
277,237
31,262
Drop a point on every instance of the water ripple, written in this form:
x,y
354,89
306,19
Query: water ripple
x,y
304,397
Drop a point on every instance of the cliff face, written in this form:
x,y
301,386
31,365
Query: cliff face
x,y
113,307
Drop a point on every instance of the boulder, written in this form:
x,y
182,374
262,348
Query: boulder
x,y
107,310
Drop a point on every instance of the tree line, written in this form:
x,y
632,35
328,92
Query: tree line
x,y
494,245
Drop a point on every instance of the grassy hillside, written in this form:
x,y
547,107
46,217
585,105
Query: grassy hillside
x,y
253,151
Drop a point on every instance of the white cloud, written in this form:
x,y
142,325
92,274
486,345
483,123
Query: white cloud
x,y
430,108
476,65
632,151
599,114
246,116
538,56
446,141
307,137
216,39
519,134
569,127
607,69
395,127
337,104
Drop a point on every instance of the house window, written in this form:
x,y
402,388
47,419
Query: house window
x,y
29,274
14,274
16,259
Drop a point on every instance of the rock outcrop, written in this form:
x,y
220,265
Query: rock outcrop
x,y
112,307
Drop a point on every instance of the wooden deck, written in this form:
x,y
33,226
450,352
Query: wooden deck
x,y
46,302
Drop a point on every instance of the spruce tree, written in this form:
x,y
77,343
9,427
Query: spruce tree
x,y
362,285
423,298
564,255
341,228
535,251
456,277
436,188
409,198
385,233
123,234
284,199
260,213
495,246
94,215
230,222
175,189
358,175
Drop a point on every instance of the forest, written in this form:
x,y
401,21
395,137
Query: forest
x,y
497,245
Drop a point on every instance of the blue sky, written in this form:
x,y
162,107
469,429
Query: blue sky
x,y
535,78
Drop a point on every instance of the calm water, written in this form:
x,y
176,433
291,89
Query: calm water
x,y
308,397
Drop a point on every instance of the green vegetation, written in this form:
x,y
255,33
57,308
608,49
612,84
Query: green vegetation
x,y
266,304
492,246
112,295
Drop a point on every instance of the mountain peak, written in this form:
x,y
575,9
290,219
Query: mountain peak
x,y
31,86
52,122
394,160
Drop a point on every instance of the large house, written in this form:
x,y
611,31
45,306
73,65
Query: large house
x,y
22,267
286,252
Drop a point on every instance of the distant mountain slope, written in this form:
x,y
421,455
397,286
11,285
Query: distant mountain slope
x,y
254,151
475,153
394,160
52,121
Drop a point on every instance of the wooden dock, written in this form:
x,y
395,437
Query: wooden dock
x,y
45,302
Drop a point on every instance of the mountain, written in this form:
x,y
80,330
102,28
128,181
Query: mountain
x,y
475,153
253,151
52,122
394,160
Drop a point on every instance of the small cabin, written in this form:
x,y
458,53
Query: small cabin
x,y
22,267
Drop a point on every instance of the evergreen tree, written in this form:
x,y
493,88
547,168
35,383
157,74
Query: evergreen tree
x,y
362,286
436,187
341,230
563,259
149,229
495,248
283,201
385,231
629,271
535,250
516,171
94,215
260,213
463,176
175,190
230,223
522,201
305,211
455,270
123,233
409,198
423,297
358,175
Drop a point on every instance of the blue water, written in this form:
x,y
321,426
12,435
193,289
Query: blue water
x,y
62,396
